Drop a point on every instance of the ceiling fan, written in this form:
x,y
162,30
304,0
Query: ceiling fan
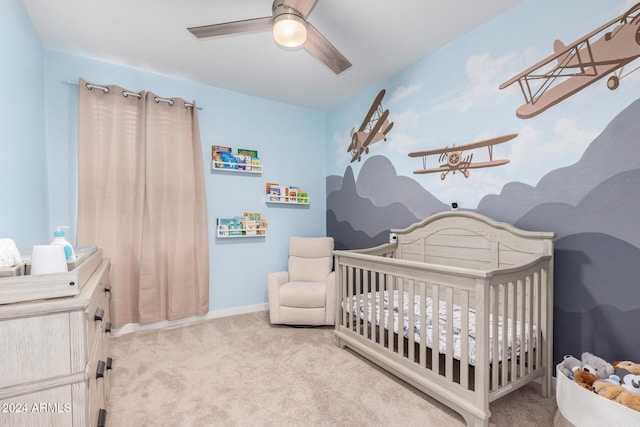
x,y
290,29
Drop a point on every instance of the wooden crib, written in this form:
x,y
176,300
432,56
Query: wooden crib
x,y
460,307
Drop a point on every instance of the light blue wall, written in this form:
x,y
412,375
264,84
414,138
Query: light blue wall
x,y
23,167
290,142
38,156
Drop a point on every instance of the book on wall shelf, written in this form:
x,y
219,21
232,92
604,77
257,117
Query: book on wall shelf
x,y
245,160
276,193
250,224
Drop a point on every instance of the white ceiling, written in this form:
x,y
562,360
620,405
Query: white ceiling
x,y
379,37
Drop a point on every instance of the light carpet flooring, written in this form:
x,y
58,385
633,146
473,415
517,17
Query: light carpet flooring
x,y
243,371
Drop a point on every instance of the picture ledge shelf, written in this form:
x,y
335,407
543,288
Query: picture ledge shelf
x,y
269,198
221,235
235,168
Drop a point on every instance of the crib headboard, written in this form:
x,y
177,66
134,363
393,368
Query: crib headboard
x,y
470,240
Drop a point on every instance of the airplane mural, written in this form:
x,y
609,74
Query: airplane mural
x,y
374,128
456,161
604,51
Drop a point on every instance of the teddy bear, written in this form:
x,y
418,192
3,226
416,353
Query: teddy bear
x,y
617,393
584,378
594,364
600,367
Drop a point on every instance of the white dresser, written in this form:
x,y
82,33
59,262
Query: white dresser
x,y
54,357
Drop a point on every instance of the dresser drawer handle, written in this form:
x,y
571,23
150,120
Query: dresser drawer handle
x,y
107,288
109,363
99,314
107,327
102,418
100,369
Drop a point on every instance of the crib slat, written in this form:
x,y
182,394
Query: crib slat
x,y
538,303
358,296
363,297
493,342
522,319
345,300
390,319
514,330
448,365
529,336
504,302
411,285
401,321
382,286
371,296
350,318
423,325
435,330
464,339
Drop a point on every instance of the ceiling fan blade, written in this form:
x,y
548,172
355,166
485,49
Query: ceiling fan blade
x,y
246,26
302,6
322,49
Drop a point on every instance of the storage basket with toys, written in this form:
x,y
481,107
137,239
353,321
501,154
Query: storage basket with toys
x,y
593,392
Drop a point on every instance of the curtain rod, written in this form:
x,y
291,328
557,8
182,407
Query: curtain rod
x,y
125,93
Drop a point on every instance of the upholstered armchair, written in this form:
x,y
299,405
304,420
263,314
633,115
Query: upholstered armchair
x,y
306,293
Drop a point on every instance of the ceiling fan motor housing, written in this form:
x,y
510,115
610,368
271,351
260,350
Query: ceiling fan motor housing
x,y
289,26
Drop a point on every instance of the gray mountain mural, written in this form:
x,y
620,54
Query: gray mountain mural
x,y
614,151
593,206
597,297
379,201
611,208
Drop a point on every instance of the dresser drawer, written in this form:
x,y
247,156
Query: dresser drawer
x,y
97,389
34,348
97,312
51,408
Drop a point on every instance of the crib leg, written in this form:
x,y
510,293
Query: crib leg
x,y
473,421
339,343
546,384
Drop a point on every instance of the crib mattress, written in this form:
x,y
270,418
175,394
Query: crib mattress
x,y
373,299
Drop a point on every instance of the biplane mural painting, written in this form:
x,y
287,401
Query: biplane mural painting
x,y
457,161
574,170
603,52
374,128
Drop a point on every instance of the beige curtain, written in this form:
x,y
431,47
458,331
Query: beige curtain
x,y
141,198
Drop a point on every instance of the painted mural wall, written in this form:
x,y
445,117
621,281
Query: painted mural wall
x,y
573,169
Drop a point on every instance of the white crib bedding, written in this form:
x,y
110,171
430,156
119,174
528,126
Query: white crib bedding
x,y
442,315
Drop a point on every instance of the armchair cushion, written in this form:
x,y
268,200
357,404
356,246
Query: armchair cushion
x,y
309,269
303,294
310,259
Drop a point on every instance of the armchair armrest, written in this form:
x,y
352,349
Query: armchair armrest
x,y
274,281
278,278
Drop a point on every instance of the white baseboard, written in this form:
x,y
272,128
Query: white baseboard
x,y
136,327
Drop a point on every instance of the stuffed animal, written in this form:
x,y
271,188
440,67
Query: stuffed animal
x,y
629,373
584,378
596,365
600,367
633,368
631,382
617,394
568,364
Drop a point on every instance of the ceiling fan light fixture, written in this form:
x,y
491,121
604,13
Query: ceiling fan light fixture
x,y
289,30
